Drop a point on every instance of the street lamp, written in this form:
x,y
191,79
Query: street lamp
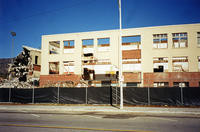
x,y
121,79
12,49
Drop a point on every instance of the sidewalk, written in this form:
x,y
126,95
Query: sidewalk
x,y
97,108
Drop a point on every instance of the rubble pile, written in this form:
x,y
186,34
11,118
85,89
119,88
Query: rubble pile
x,y
20,67
18,72
15,83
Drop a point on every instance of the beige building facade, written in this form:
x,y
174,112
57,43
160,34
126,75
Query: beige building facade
x,y
159,56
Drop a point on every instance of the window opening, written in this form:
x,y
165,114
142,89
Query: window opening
x,y
132,65
179,40
198,39
87,42
181,84
131,42
199,63
161,84
160,64
54,47
160,41
103,44
36,60
53,67
68,67
180,64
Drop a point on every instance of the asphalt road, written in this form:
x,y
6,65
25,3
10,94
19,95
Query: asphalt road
x,y
95,122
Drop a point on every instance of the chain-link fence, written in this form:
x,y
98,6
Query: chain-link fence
x,y
173,96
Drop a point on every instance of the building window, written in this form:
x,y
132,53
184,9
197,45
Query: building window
x,y
180,40
68,67
132,84
131,42
160,64
36,60
180,64
88,46
198,39
131,65
161,84
181,84
103,44
53,67
87,42
160,41
54,47
105,83
199,63
68,46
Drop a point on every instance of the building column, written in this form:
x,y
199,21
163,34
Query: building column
x,y
61,66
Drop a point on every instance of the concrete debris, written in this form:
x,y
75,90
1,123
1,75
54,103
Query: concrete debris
x,y
18,72
21,66
82,83
15,84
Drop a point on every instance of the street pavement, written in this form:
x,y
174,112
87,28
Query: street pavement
x,y
51,108
94,118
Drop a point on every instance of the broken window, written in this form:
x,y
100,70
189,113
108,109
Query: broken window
x,y
181,84
161,84
131,65
36,59
198,39
88,73
180,64
131,42
179,40
88,57
104,67
160,64
53,67
103,44
160,41
88,46
68,46
54,47
68,67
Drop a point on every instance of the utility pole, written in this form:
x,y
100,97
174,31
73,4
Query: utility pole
x,y
121,79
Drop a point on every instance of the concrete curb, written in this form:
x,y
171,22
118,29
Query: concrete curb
x,y
107,109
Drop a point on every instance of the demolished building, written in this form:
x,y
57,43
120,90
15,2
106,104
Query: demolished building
x,y
162,56
24,70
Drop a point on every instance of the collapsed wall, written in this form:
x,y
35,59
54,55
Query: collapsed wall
x,y
19,70
21,66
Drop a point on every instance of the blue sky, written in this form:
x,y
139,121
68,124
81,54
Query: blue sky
x,y
31,19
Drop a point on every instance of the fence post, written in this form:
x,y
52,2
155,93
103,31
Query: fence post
x,y
181,95
86,96
116,95
148,96
58,97
148,93
9,95
33,93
